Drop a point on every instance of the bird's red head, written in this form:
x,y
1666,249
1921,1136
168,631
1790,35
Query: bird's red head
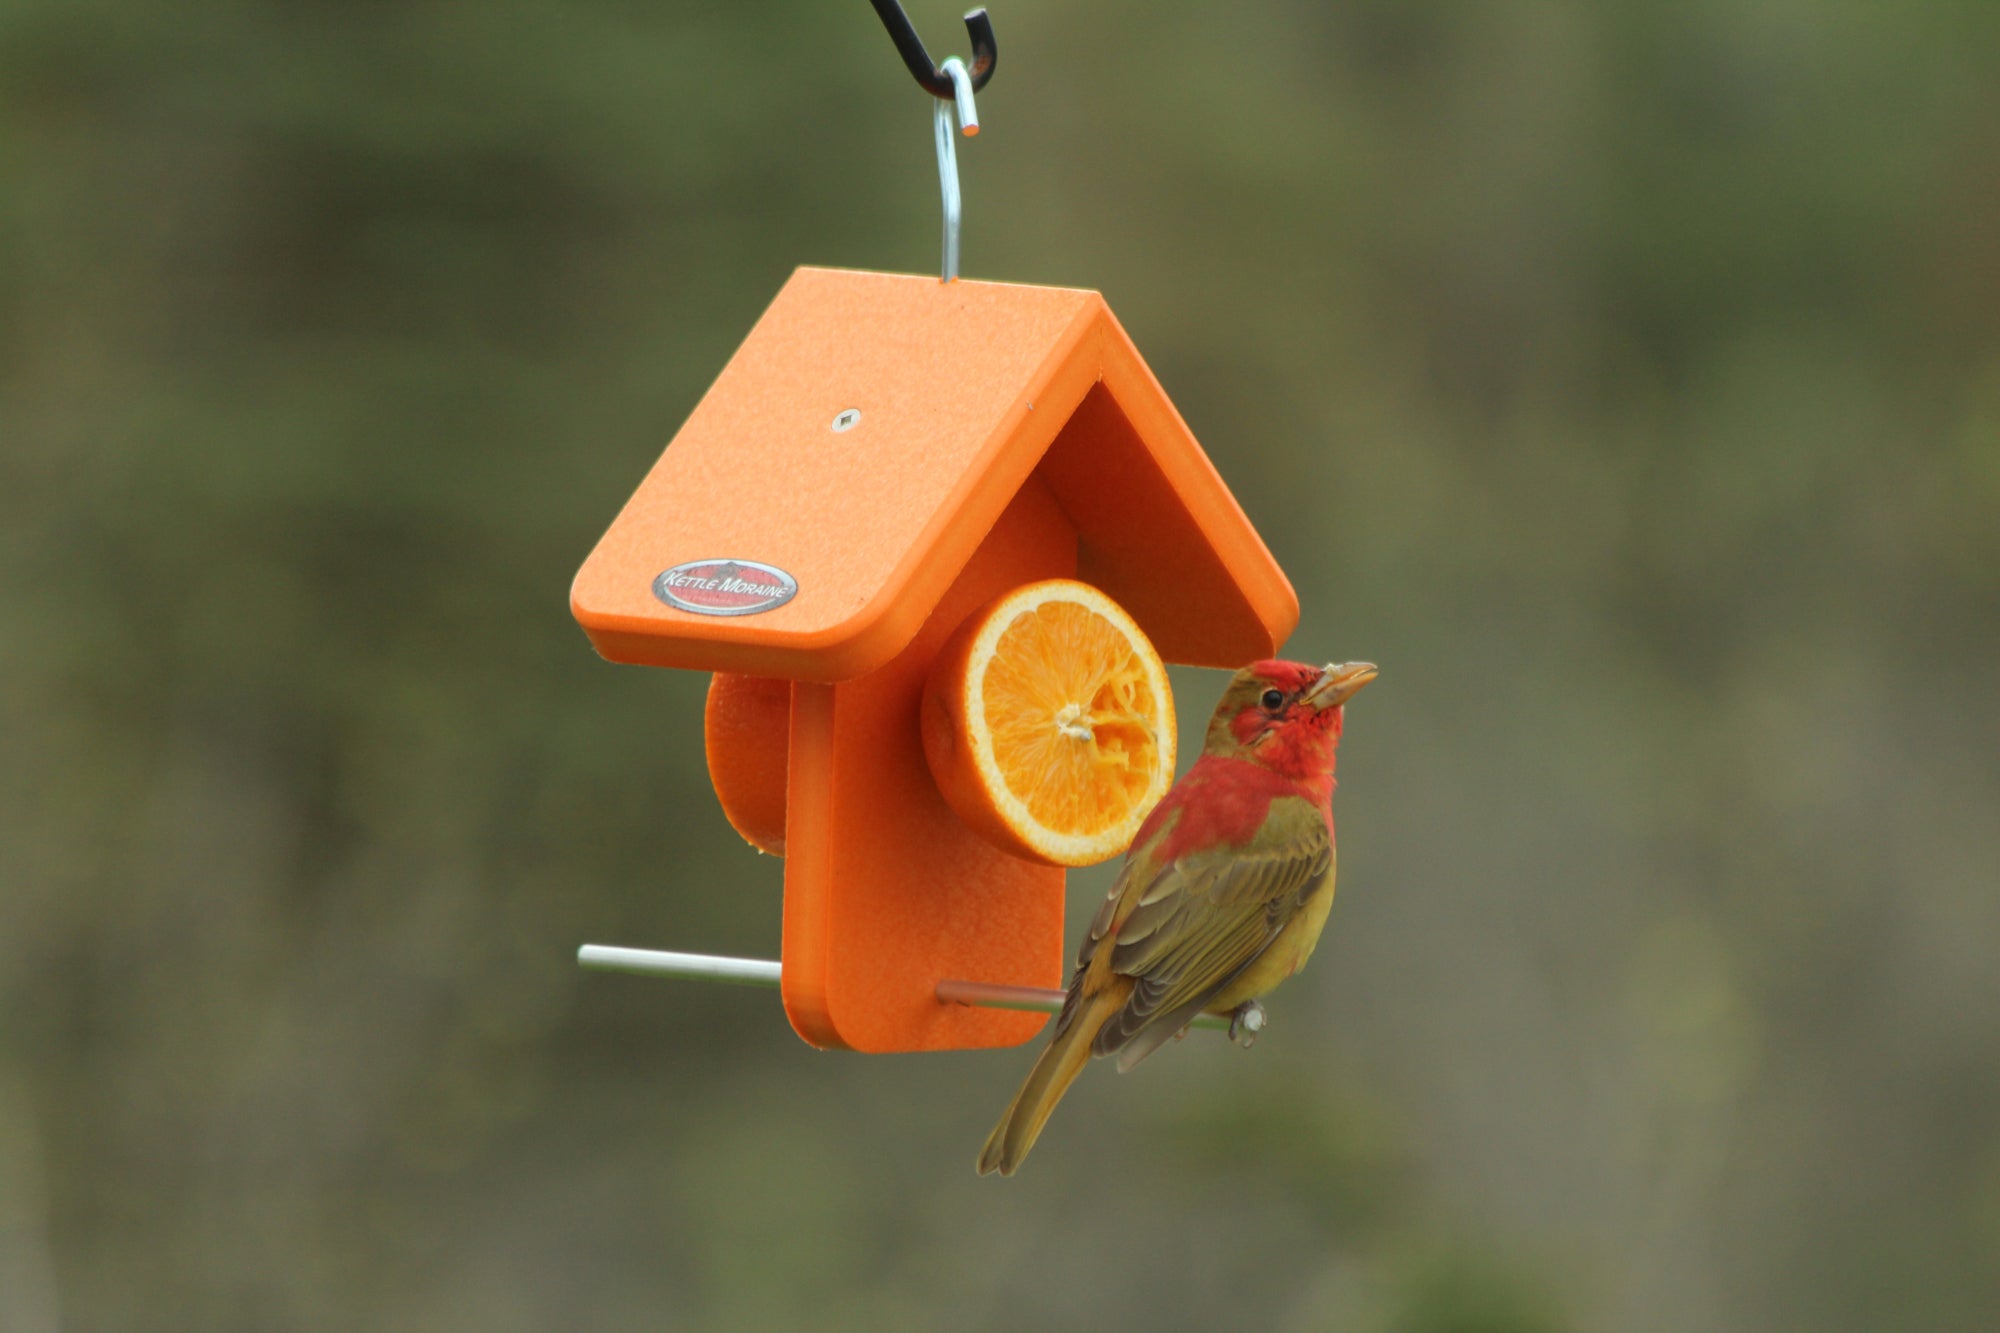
x,y
1286,716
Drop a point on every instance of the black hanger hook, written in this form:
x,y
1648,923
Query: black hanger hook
x,y
928,76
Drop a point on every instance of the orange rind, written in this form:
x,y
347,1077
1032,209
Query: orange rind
x,y
746,728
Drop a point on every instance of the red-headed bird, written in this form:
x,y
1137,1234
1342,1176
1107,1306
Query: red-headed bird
x,y
1222,895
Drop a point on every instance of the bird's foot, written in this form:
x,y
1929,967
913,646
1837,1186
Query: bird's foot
x,y
1245,1022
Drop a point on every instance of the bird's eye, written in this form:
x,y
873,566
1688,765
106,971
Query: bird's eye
x,y
1273,700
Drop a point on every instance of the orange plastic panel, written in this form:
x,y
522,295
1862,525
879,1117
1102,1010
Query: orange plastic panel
x,y
961,389
1142,513
886,891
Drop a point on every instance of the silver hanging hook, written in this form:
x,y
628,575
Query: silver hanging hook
x,y
947,154
949,80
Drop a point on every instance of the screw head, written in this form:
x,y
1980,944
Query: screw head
x,y
846,421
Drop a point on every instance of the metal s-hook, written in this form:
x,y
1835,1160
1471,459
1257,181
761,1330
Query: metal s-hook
x,y
953,85
947,156
932,78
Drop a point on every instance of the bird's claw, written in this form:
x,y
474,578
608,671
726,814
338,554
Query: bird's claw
x,y
1245,1022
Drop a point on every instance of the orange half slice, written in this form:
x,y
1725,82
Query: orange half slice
x,y
1049,724
747,731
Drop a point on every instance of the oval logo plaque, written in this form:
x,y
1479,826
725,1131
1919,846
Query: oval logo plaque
x,y
725,587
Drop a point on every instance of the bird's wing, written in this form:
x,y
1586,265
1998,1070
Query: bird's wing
x,y
1186,929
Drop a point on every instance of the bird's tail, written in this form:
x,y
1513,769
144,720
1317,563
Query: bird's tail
x,y
1007,1146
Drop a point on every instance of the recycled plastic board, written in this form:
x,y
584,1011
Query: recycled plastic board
x,y
947,397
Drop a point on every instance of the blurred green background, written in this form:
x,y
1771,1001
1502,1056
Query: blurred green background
x,y
1625,378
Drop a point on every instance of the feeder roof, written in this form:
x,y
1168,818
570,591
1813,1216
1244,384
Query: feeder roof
x,y
863,441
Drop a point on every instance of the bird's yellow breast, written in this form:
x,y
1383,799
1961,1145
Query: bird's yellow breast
x,y
1287,954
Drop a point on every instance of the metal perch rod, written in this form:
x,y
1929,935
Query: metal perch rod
x,y
764,972
696,966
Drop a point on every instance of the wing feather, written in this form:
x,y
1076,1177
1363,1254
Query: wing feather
x,y
1192,926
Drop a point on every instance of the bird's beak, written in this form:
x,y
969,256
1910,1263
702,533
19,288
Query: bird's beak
x,y
1340,683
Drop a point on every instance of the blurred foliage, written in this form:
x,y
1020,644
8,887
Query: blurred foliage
x,y
1625,378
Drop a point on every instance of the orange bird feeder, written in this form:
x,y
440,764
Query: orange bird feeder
x,y
882,456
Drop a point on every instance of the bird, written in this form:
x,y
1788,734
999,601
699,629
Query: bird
x,y
1222,894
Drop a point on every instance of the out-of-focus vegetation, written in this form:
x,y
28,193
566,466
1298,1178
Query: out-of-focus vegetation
x,y
1625,378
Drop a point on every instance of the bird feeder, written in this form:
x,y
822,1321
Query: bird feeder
x,y
882,456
